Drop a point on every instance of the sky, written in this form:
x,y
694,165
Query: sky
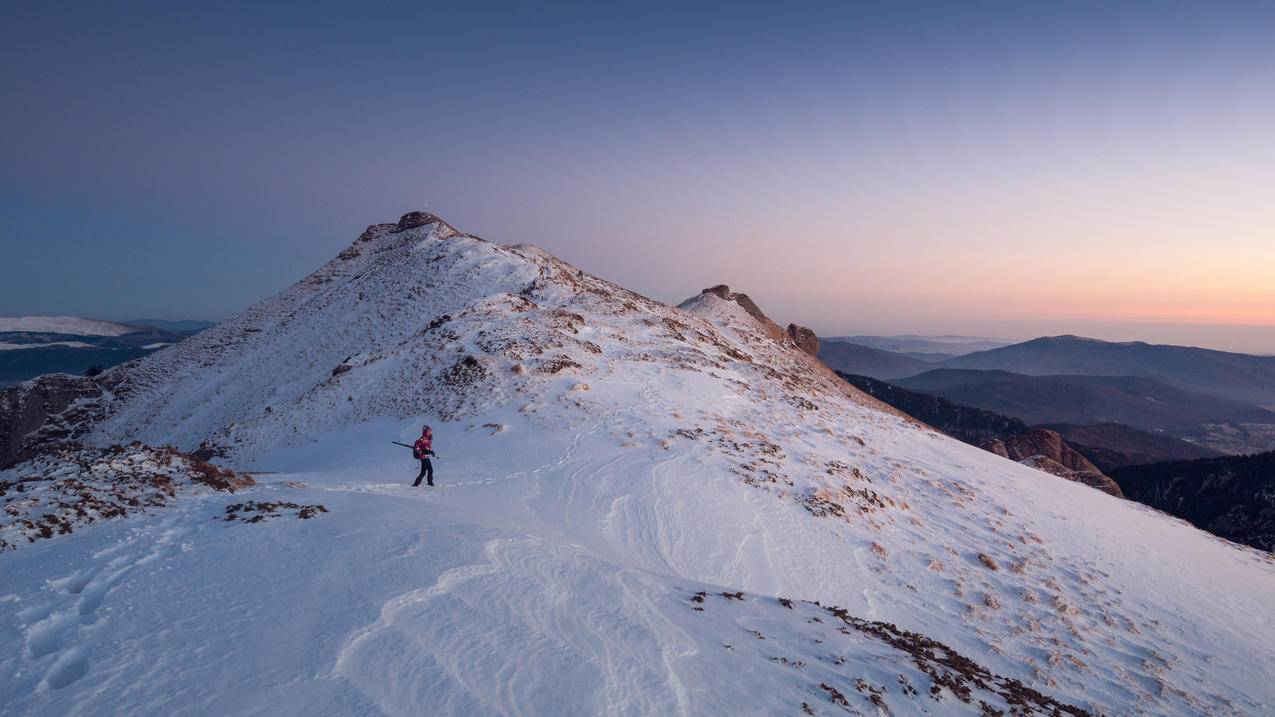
x,y
999,169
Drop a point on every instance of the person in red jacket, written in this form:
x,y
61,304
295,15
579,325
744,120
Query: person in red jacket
x,y
421,451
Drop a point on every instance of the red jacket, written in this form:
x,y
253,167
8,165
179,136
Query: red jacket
x,y
423,448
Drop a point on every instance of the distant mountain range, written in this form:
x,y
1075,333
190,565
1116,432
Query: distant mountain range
x,y
35,345
925,348
1240,377
1216,399
860,360
1140,402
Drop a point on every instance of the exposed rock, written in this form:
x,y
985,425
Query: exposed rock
x,y
411,220
373,231
723,291
805,339
53,409
749,306
1045,450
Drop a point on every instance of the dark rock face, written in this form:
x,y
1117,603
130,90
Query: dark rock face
x,y
1046,450
805,339
54,409
411,220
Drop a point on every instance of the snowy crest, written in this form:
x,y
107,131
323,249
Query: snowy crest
x,y
425,319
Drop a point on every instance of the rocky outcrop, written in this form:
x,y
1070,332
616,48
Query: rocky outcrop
x,y
723,291
805,339
1047,451
54,409
411,220
799,336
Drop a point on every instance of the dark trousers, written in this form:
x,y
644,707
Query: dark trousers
x,y
427,471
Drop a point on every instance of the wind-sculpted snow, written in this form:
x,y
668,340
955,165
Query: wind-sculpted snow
x,y
604,458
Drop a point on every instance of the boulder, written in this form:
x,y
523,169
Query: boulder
x,y
1046,450
805,339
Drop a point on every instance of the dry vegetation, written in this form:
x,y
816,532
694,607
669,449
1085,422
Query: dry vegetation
x,y
70,487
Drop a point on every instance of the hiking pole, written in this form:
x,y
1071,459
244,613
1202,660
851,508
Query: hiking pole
x,y
407,446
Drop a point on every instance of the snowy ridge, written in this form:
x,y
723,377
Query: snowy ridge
x,y
603,460
72,325
405,319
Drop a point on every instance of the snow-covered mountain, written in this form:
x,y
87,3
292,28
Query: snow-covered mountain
x,y
643,510
72,325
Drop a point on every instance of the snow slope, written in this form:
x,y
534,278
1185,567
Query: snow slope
x,y
603,460
71,325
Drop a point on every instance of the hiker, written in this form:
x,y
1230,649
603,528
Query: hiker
x,y
421,451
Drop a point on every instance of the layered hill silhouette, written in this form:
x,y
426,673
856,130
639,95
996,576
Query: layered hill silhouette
x,y
1136,401
1240,377
859,360
925,348
1212,399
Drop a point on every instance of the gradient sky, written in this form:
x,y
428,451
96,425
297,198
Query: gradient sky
x,y
1006,169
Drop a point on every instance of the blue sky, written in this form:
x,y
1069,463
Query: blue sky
x,y
1002,168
